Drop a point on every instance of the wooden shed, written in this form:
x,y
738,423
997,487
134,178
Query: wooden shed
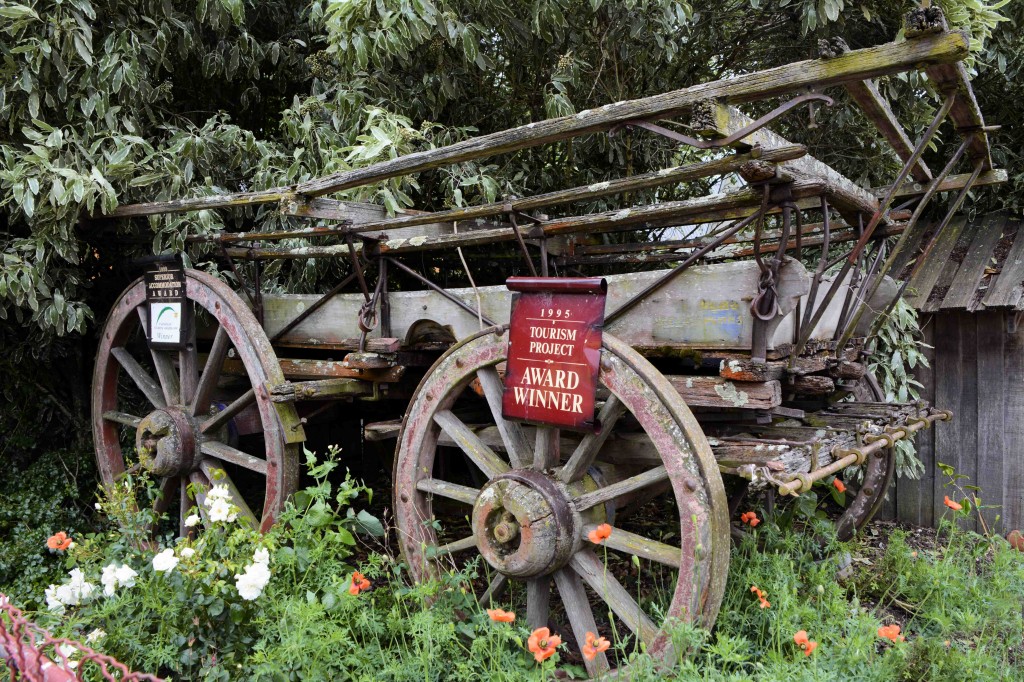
x,y
970,294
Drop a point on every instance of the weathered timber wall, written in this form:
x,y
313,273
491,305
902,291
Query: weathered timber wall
x,y
977,371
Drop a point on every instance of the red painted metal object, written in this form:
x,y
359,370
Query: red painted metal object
x,y
31,654
554,351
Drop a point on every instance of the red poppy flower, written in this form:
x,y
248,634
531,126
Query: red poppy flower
x,y
804,642
955,506
594,646
359,583
600,534
839,485
543,644
891,632
750,518
59,541
501,616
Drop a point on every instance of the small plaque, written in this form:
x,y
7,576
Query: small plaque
x,y
168,307
554,351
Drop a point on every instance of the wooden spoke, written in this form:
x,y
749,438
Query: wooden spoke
x,y
163,363
217,476
470,443
188,368
123,418
616,490
211,372
452,547
581,617
583,457
497,587
140,376
224,416
538,600
545,453
202,485
516,444
452,491
227,453
640,546
589,567
183,513
168,490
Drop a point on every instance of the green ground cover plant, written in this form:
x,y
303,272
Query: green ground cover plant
x,y
322,597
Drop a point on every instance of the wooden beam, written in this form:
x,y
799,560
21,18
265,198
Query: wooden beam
x,y
876,109
713,208
848,197
952,183
965,114
198,203
856,65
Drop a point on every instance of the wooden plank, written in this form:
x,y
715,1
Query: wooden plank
x,y
704,391
948,449
1007,289
965,114
921,284
949,270
854,65
963,289
712,208
876,109
303,369
847,196
914,244
1013,437
707,306
992,392
471,215
952,183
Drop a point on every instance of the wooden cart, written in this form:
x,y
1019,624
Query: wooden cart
x,y
739,362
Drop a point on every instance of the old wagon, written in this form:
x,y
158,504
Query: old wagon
x,y
738,370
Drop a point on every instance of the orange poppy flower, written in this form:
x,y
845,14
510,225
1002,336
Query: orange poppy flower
x,y
59,541
600,534
543,644
804,642
760,596
501,616
891,632
839,485
750,518
594,646
955,506
359,583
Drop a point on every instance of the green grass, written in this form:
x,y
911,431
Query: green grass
x,y
957,599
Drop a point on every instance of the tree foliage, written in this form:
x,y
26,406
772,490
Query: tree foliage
x,y
105,102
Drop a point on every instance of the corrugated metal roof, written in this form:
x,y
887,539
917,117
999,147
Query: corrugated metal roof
x,y
976,265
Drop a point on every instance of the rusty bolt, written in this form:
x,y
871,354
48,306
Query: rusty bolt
x,y
505,531
869,491
690,484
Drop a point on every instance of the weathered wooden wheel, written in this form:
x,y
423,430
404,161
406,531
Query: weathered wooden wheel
x,y
530,519
879,470
182,434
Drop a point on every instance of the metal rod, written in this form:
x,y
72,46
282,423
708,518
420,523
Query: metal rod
x,y
522,244
902,242
297,320
678,270
947,104
822,262
454,299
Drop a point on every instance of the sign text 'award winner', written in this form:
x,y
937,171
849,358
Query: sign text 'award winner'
x,y
554,351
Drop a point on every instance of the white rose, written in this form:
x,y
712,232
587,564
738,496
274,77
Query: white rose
x,y
52,602
187,552
165,561
192,521
65,595
99,507
261,556
221,510
68,651
251,583
95,636
126,576
109,579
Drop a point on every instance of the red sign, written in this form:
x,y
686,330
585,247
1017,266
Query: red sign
x,y
554,350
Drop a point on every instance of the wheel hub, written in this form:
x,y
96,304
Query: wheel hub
x,y
525,525
166,442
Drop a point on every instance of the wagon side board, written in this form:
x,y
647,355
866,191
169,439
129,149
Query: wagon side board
x,y
705,307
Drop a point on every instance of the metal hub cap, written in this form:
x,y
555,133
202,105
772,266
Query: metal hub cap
x,y
166,442
525,525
